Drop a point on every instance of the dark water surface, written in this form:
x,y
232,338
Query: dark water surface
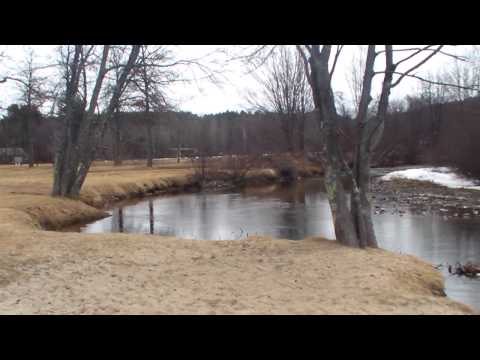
x,y
295,212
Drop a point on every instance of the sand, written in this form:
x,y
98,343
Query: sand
x,y
48,272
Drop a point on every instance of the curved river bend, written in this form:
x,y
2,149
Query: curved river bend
x,y
296,212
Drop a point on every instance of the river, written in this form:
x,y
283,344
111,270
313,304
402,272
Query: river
x,y
295,212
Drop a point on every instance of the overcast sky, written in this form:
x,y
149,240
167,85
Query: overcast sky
x,y
203,96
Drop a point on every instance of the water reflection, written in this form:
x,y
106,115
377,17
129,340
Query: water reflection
x,y
437,241
296,212
286,212
151,216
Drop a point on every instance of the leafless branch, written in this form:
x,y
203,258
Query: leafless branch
x,y
416,66
305,62
418,51
427,48
255,58
473,87
337,55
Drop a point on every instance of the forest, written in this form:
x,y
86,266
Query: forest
x,y
418,131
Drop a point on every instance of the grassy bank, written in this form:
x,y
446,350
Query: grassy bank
x,y
27,190
51,272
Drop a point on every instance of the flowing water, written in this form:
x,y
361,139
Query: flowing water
x,y
295,212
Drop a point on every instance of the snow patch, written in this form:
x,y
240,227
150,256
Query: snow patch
x,y
440,175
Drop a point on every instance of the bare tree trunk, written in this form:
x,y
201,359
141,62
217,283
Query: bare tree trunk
x,y
120,220
151,216
116,137
58,167
83,130
29,140
148,118
361,209
301,134
149,140
66,157
31,154
369,135
244,137
287,127
352,214
338,200
337,172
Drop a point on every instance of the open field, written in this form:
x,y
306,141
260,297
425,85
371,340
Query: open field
x,y
44,272
28,190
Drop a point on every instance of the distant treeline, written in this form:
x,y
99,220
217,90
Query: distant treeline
x,y
224,133
434,133
419,133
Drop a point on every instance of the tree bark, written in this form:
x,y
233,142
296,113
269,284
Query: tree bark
x,y
244,138
288,122
151,216
149,126
120,220
149,143
361,208
351,214
82,130
116,140
337,172
28,137
31,154
301,133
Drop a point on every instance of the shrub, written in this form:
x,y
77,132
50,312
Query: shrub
x,y
286,170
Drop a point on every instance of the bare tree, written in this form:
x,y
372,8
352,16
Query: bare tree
x,y
459,80
82,127
33,95
118,57
151,77
286,93
354,75
350,208
2,56
128,101
179,135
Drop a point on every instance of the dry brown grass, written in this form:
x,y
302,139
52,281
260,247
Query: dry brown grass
x,y
71,273
28,190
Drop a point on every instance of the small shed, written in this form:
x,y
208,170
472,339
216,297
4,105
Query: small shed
x,y
183,151
8,154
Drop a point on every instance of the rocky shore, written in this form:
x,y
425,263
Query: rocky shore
x,y
423,198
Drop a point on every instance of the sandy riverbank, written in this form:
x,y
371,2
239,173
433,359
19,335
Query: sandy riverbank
x,y
43,272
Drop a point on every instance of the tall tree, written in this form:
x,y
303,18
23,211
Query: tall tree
x,y
354,75
33,95
83,127
129,99
151,77
2,57
350,207
458,80
118,56
285,93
